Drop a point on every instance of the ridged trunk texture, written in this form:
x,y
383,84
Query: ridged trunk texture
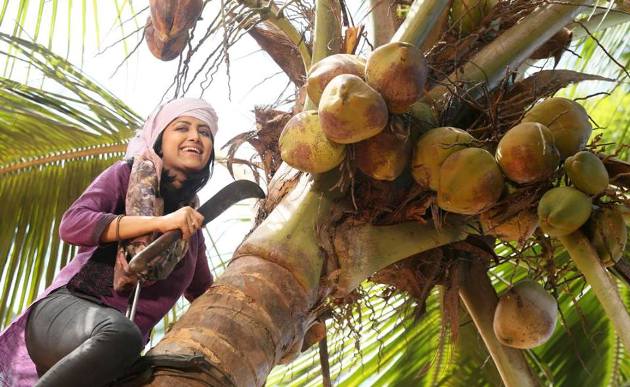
x,y
243,325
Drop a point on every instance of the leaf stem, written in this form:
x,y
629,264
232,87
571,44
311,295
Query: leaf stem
x,y
587,261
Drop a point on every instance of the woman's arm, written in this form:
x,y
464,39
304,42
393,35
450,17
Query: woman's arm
x,y
185,219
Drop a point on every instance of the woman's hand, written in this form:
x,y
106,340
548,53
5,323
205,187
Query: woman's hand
x,y
186,219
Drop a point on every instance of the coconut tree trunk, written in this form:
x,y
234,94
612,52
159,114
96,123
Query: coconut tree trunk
x,y
256,314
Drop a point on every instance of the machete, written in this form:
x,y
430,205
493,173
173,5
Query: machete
x,y
150,266
221,201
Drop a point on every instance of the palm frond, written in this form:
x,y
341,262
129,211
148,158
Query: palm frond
x,y
52,144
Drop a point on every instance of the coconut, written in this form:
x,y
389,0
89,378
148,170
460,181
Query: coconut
x,y
470,182
164,50
172,18
326,69
384,156
398,71
555,46
587,172
567,120
432,149
304,146
525,316
562,210
527,154
608,234
351,111
519,227
466,15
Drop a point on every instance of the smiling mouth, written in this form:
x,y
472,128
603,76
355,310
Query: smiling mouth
x,y
193,150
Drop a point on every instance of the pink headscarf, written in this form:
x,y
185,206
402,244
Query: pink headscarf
x,y
142,143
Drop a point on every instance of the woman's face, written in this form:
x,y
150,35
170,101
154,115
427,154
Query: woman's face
x,y
186,146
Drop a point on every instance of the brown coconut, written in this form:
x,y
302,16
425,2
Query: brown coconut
x,y
350,110
384,156
525,316
172,18
608,234
398,71
555,46
567,120
470,182
304,146
527,154
432,149
322,72
164,50
519,227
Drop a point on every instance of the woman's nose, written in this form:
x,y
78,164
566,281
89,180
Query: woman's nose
x,y
194,134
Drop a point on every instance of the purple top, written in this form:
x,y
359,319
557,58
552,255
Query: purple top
x,y
82,225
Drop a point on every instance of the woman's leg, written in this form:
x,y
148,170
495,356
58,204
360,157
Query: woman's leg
x,y
75,342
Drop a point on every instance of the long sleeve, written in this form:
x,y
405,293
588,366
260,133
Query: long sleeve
x,y
86,219
202,278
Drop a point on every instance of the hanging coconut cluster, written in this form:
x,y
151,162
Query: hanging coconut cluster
x,y
360,103
354,99
167,29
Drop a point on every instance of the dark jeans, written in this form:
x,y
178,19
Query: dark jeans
x,y
76,342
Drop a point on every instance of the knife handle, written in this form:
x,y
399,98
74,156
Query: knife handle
x,y
155,248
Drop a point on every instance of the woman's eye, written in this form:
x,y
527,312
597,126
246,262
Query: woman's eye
x,y
205,133
181,128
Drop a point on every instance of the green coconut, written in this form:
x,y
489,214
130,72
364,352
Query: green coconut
x,y
562,210
587,172
608,234
384,156
398,71
466,15
351,111
527,154
304,146
322,72
432,149
470,182
567,120
519,227
525,316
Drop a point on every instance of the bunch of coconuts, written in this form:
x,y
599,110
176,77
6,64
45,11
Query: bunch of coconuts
x,y
166,30
355,98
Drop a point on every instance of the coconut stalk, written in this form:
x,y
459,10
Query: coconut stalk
x,y
489,66
585,258
422,18
480,299
275,16
365,249
383,24
383,21
327,40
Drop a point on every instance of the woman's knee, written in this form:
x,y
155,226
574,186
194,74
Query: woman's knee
x,y
122,334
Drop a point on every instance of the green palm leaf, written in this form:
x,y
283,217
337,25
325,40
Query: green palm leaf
x,y
51,146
